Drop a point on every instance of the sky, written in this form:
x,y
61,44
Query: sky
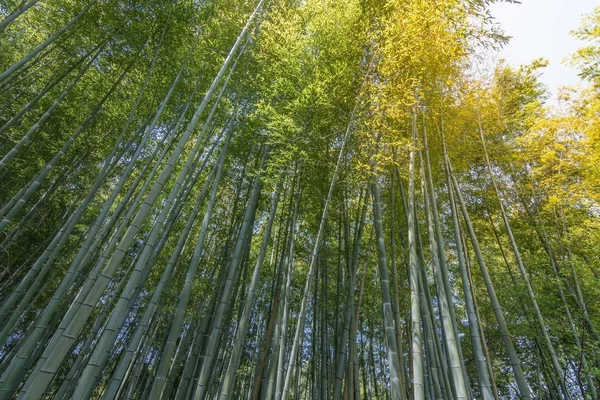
x,y
540,28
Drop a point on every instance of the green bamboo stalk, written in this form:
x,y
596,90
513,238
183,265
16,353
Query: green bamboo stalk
x,y
480,360
18,201
342,356
303,307
390,330
458,381
229,380
45,43
538,314
233,267
506,338
417,357
16,13
52,357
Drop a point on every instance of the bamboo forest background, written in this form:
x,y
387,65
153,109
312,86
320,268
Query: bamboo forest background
x,y
315,199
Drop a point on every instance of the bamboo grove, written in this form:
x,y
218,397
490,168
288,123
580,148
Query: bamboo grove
x,y
278,199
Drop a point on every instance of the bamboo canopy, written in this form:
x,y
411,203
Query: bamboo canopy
x,y
273,199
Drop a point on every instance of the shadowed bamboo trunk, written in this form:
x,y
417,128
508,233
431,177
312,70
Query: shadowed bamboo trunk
x,y
390,330
480,360
342,356
506,338
95,52
442,282
45,43
302,315
15,14
538,314
53,356
236,261
230,376
416,343
18,201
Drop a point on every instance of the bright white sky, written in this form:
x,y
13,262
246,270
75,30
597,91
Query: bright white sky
x,y
540,28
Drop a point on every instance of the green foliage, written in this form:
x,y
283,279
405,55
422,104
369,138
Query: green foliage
x,y
320,86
